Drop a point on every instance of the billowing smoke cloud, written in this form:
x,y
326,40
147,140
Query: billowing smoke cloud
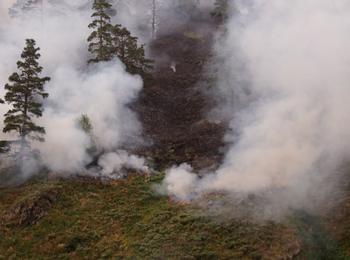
x,y
113,163
180,181
107,90
285,80
102,92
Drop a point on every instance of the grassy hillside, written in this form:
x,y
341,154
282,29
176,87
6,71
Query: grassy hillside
x,y
127,219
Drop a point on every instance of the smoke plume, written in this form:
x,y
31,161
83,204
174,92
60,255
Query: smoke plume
x,y
284,82
102,92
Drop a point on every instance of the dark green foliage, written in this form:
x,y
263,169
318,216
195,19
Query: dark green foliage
x,y
121,39
85,124
100,40
136,62
221,10
125,47
108,41
73,243
319,244
111,12
24,93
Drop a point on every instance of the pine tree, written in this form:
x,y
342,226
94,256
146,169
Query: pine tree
x,y
121,38
126,48
101,38
111,11
137,63
221,10
24,93
108,41
85,124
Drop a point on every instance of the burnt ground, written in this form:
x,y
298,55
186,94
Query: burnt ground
x,y
172,106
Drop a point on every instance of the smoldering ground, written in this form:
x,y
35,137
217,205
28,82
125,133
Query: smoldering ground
x,y
283,86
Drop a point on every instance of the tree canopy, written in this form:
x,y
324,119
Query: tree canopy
x,y
25,91
108,41
100,40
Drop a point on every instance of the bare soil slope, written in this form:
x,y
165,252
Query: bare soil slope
x,y
172,106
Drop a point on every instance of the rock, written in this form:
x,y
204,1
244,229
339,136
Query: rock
x,y
31,209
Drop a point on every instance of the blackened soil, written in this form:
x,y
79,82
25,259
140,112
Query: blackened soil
x,y
173,106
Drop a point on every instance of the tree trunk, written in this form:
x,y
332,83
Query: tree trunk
x,y
100,40
23,131
154,18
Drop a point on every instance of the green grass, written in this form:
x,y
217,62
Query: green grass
x,y
318,244
127,219
338,225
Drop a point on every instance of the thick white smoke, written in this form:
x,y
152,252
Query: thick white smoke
x,y
113,163
107,89
291,61
180,181
102,92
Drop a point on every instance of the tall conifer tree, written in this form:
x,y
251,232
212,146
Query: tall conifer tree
x,y
108,41
137,63
25,91
126,48
120,40
100,40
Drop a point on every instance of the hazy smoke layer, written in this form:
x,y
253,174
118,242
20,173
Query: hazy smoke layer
x,y
4,6
290,60
102,92
138,15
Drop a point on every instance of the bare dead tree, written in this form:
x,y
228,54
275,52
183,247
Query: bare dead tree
x,y
154,18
